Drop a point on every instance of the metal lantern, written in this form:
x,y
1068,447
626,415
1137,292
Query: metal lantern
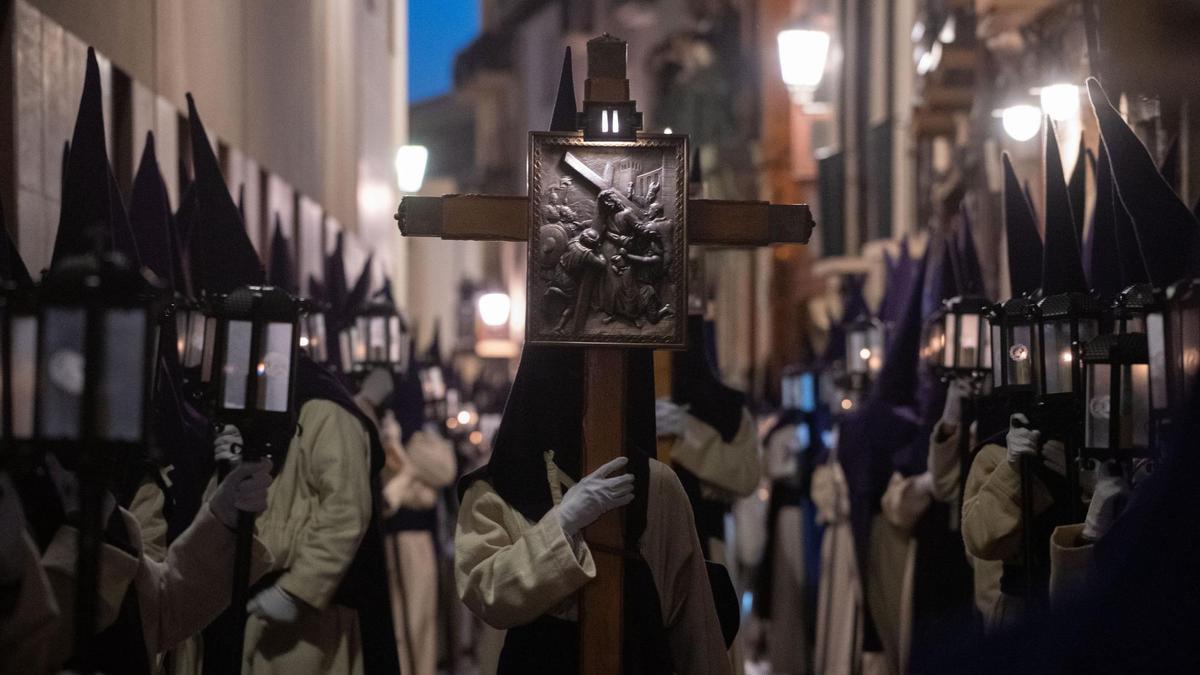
x,y
196,331
1014,364
433,386
313,337
255,347
1116,385
378,338
1063,320
1132,306
966,339
97,343
1174,346
864,351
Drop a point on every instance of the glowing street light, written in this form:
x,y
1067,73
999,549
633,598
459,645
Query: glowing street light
x,y
1022,121
410,167
1060,101
803,53
494,308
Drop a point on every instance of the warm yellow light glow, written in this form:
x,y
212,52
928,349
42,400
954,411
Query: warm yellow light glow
x,y
1060,101
1066,357
1021,122
668,130
451,423
802,57
464,417
847,404
303,340
410,167
494,308
476,437
864,353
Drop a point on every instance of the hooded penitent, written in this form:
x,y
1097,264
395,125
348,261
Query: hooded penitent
x,y
887,420
1024,244
223,259
220,253
970,281
92,211
1062,265
1170,165
1168,234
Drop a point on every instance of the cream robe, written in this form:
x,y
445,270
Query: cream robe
x,y
729,470
787,648
176,597
946,468
415,473
510,571
840,603
991,518
318,509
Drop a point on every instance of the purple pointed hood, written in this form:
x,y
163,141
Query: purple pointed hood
x,y
565,117
1077,187
971,282
221,255
1021,235
1168,234
150,217
282,272
12,267
1104,253
1062,265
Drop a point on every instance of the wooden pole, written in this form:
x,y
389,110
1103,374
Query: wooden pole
x,y
601,611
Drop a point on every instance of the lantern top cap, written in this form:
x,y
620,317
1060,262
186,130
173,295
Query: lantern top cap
x,y
966,304
607,81
100,275
1137,296
1183,291
269,303
1073,304
1121,348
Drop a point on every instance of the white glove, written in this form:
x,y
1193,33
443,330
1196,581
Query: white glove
x,y
377,386
1021,440
1108,499
244,489
668,417
594,496
274,605
227,446
955,393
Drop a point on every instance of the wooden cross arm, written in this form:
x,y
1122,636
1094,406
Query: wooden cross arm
x,y
711,222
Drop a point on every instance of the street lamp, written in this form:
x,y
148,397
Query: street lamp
x,y
1021,121
803,52
1060,101
410,167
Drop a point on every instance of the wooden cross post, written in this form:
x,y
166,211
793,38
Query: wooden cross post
x,y
607,220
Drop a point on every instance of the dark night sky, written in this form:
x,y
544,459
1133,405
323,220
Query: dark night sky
x,y
437,30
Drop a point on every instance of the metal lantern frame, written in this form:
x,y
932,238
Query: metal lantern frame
x,y
1132,307
377,338
1116,392
800,390
1063,320
97,346
865,345
254,356
1175,347
1012,325
314,336
961,344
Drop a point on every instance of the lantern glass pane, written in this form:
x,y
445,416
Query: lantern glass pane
x,y
808,392
275,368
1189,332
1020,356
858,351
395,341
344,349
1156,341
875,361
63,373
181,332
122,385
968,341
377,346
951,340
316,336
207,348
1057,355
985,355
997,365
24,375
238,335
1099,399
1135,406
358,341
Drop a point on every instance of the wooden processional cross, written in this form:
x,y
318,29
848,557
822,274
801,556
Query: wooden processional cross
x,y
608,222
